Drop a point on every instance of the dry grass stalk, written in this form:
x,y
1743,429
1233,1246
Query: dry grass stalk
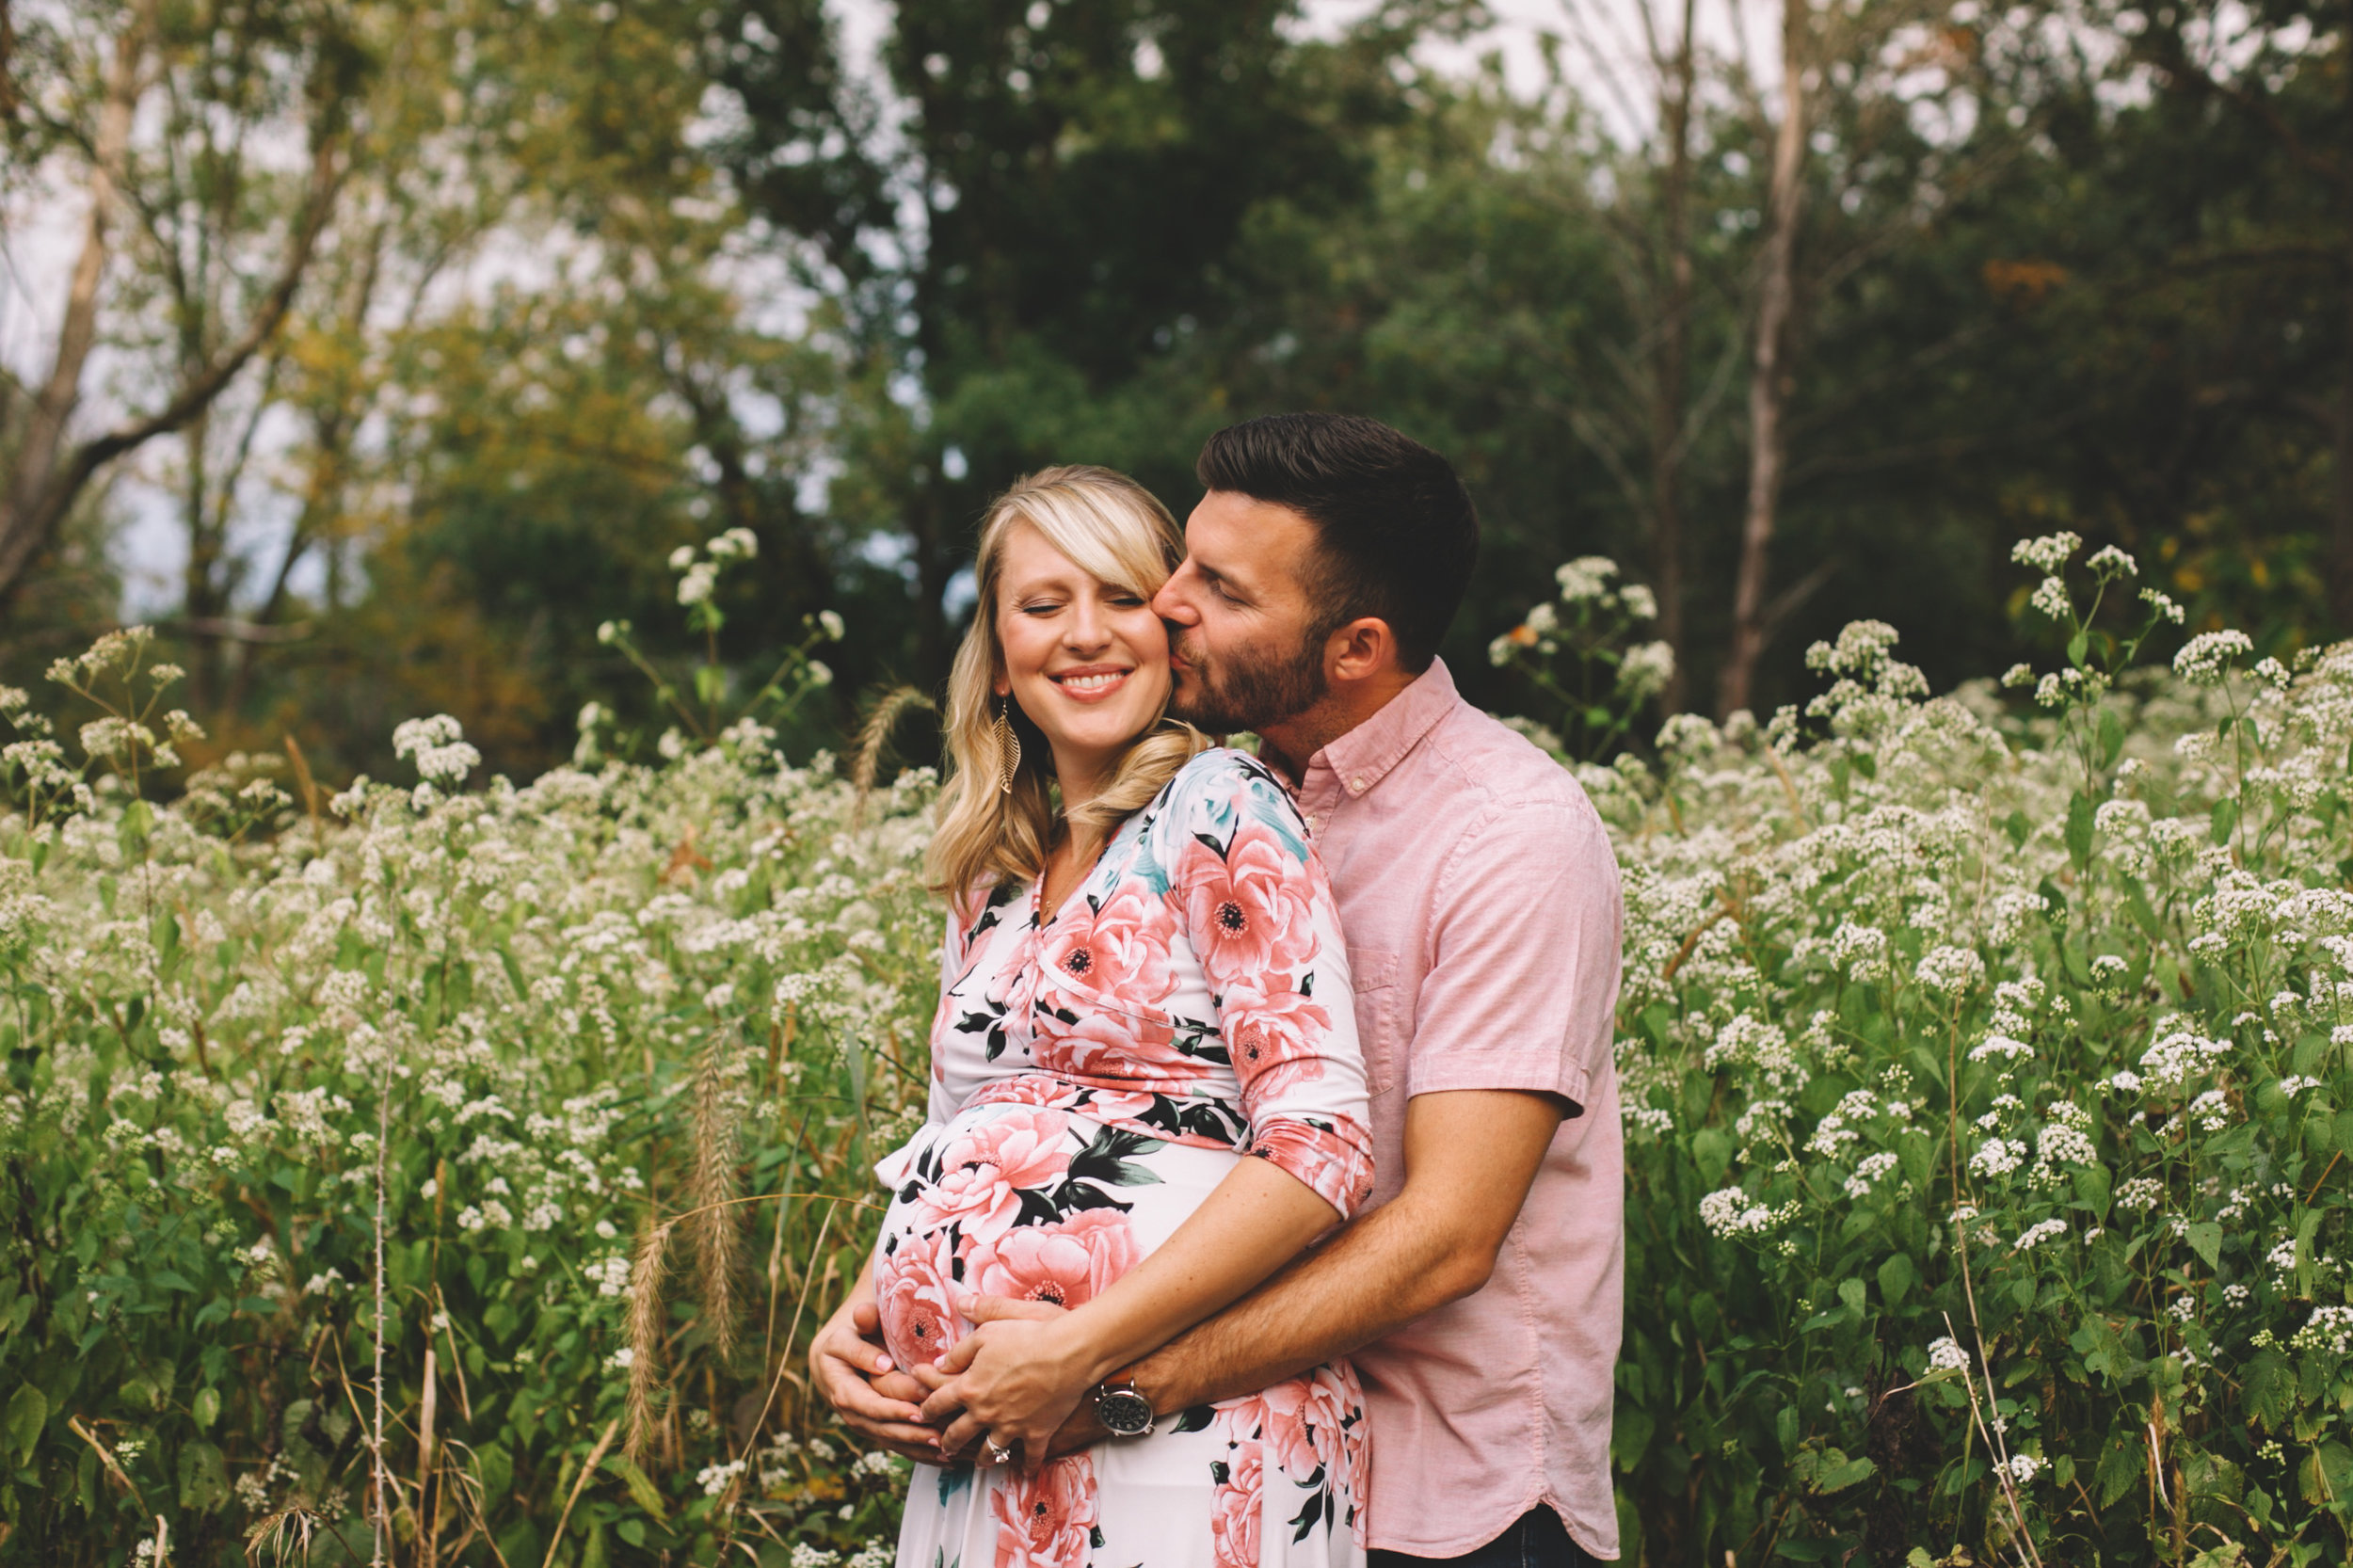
x,y
428,1513
645,1337
580,1485
714,1227
284,1531
875,735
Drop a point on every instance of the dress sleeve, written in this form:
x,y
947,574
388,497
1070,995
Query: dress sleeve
x,y
1252,896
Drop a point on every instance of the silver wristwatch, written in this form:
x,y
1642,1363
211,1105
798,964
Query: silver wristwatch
x,y
1123,1411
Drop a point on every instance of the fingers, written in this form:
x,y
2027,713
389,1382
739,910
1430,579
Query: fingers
x,y
941,1404
850,1346
920,1444
900,1386
995,1309
929,1379
963,1433
845,1382
960,1354
866,1316
1081,1430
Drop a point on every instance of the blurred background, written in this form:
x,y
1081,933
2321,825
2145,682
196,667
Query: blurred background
x,y
378,352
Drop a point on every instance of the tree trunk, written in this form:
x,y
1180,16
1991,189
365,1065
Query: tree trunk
x,y
1770,377
2341,530
31,506
1670,376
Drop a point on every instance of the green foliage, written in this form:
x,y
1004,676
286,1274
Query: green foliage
x,y
1984,1076
508,1018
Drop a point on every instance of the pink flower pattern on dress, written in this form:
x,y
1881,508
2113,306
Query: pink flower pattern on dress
x,y
983,1170
1067,1263
1239,1501
1273,1036
1043,1520
919,1322
1249,911
1189,992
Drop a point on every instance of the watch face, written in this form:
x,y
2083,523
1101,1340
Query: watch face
x,y
1127,1413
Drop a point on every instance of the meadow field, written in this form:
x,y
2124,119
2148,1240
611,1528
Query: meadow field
x,y
477,1156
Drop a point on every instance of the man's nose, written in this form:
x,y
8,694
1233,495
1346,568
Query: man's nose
x,y
1170,605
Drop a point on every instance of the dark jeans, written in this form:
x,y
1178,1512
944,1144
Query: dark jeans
x,y
1536,1539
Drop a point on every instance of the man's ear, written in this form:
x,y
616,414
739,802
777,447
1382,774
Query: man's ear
x,y
1362,649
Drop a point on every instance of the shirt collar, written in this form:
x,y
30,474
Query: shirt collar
x,y
1356,761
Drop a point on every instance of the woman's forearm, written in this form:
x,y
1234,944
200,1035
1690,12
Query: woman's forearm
x,y
1256,1221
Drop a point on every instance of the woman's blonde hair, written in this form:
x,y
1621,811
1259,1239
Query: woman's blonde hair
x,y
1115,530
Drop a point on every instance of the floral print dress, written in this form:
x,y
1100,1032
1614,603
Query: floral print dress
x,y
1094,1076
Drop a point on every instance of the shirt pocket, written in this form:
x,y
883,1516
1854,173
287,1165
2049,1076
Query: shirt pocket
x,y
1372,972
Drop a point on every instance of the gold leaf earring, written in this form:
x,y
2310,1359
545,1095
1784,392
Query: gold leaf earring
x,y
1008,748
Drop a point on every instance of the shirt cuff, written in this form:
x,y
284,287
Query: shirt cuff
x,y
1333,1158
1541,1072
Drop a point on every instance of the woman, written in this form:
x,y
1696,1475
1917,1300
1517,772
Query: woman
x,y
1143,983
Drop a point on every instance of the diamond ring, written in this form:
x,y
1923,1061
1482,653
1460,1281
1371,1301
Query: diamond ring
x,y
995,1452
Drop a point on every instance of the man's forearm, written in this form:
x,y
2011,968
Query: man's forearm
x,y
1377,1275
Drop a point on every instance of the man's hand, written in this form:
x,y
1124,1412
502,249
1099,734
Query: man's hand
x,y
855,1375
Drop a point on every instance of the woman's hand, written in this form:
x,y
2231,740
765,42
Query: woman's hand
x,y
1014,1381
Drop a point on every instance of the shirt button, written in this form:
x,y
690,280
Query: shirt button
x,y
1357,785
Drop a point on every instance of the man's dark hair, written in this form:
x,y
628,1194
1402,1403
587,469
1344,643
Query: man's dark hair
x,y
1395,528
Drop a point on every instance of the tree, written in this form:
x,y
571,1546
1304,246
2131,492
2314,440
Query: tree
x,y
1049,233
183,211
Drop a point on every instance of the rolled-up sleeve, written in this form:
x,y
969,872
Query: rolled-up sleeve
x,y
1525,940
1259,911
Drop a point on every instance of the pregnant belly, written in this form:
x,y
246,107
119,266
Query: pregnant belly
x,y
1025,1202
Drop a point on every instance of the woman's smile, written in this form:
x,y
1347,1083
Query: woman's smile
x,y
1090,682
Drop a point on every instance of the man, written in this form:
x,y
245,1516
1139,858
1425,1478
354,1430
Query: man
x,y
1480,1293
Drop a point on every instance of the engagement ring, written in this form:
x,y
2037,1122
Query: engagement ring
x,y
994,1453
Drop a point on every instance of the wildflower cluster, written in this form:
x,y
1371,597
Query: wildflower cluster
x,y
1961,1022
1611,679
527,1007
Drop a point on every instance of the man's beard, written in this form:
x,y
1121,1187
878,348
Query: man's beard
x,y
1247,693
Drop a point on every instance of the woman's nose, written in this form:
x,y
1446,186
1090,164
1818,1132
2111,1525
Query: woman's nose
x,y
1085,629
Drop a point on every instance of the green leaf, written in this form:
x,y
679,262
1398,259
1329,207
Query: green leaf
x,y
2120,1467
2111,737
1712,1152
2076,645
2326,1474
1896,1279
2205,1239
205,1408
1851,1292
204,1478
495,1471
1839,1477
2079,810
28,1407
2020,828
2270,1383
2223,821
640,1486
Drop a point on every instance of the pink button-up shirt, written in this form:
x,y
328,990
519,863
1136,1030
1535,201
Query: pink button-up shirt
x,y
1479,900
